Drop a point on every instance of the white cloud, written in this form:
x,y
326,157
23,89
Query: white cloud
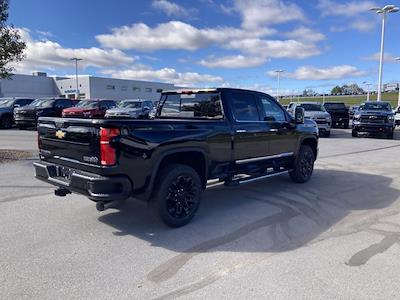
x,y
306,34
348,9
256,13
233,62
363,25
376,57
173,35
275,48
50,55
170,8
168,75
358,24
313,73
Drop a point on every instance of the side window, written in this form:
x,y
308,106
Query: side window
x,y
20,102
273,112
63,103
245,107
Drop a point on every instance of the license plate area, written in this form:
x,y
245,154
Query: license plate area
x,y
63,174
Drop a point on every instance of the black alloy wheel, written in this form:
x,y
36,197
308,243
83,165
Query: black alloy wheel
x,y
303,166
181,198
178,194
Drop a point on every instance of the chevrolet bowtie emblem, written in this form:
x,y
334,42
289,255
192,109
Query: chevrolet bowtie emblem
x,y
60,134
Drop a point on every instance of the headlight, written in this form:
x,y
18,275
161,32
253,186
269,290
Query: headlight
x,y
87,113
357,116
390,118
39,112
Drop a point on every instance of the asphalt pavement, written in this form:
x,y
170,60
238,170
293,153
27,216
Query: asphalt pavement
x,y
336,237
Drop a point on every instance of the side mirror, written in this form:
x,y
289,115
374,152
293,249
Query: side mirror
x,y
299,115
16,105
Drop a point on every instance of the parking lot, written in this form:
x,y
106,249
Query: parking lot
x,y
337,236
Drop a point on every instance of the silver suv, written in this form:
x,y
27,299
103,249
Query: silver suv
x,y
316,112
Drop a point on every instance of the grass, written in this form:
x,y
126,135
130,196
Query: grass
x,y
348,100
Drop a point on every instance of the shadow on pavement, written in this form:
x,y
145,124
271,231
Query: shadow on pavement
x,y
288,216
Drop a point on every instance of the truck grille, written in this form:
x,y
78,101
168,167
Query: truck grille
x,y
373,119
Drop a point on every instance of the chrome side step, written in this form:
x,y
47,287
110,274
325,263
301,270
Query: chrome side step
x,y
245,180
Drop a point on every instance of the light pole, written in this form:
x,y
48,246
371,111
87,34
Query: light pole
x,y
368,89
76,75
383,11
278,72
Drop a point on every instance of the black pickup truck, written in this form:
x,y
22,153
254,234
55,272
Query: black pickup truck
x,y
233,136
339,112
374,118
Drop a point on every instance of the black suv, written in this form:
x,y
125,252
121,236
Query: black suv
x,y
374,117
7,106
339,114
45,107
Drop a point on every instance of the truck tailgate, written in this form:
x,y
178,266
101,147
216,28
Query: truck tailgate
x,y
72,139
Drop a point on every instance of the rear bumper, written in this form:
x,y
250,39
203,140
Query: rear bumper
x,y
93,186
337,121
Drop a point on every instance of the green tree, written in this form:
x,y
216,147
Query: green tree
x,y
336,90
11,45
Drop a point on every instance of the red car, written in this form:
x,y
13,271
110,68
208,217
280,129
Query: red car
x,y
89,109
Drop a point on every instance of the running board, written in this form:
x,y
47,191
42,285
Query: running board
x,y
253,178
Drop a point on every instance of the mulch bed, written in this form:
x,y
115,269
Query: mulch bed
x,y
13,155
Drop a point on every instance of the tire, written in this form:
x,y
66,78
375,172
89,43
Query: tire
x,y
354,133
6,122
178,195
303,166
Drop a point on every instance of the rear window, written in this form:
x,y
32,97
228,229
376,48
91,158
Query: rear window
x,y
312,107
196,105
335,105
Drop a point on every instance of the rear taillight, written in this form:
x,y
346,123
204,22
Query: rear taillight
x,y
107,153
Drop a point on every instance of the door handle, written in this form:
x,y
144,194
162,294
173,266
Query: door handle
x,y
241,130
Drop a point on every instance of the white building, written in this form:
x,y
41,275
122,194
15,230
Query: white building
x,y
90,87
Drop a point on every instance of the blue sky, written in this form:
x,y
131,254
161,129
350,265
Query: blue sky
x,y
319,43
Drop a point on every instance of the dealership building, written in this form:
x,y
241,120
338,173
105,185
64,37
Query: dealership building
x,y
90,87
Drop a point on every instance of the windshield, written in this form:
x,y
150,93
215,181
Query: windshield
x,y
312,107
376,106
6,102
130,104
197,105
42,103
88,104
335,106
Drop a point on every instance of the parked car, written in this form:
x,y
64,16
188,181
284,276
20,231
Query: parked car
x,y
236,136
7,106
90,109
353,110
374,118
397,116
44,107
316,112
135,109
339,114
